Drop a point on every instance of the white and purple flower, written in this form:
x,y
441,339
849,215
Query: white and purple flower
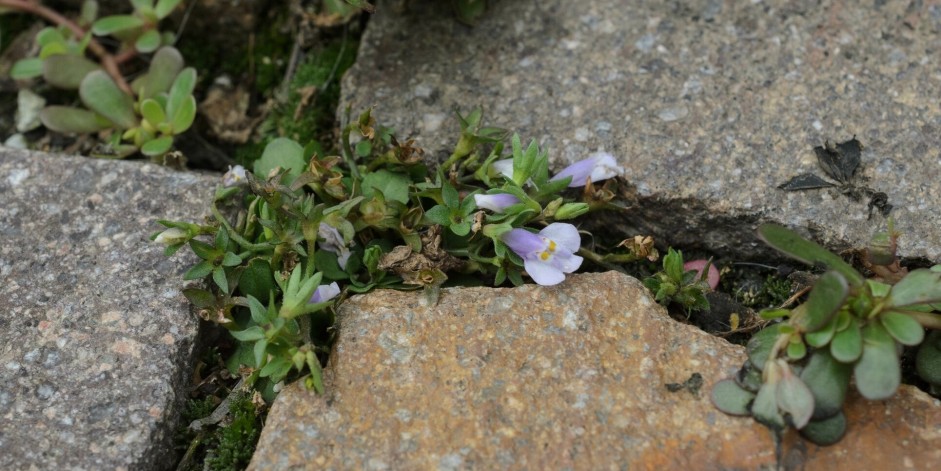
x,y
333,242
325,293
496,202
234,177
548,255
596,167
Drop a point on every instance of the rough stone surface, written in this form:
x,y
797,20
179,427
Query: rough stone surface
x,y
709,105
567,377
95,337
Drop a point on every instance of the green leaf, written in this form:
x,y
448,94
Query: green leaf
x,y
158,146
878,373
450,196
258,351
181,91
49,35
673,265
66,119
903,328
822,336
102,95
315,381
393,186
26,68
165,7
152,111
199,271
277,368
765,407
928,359
759,346
847,344
730,398
922,286
826,298
230,260
440,215
116,24
199,297
258,310
281,152
218,276
202,249
468,11
67,71
796,350
795,398
184,117
828,380
825,432
461,228
249,335
165,66
257,280
795,246
148,42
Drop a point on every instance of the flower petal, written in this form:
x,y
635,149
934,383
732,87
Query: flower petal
x,y
605,167
566,261
565,235
505,167
496,202
596,167
524,243
325,293
543,273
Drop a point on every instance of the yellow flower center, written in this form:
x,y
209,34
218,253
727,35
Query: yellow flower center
x,y
545,255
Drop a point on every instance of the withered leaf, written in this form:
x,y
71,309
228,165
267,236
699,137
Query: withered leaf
x,y
807,181
841,161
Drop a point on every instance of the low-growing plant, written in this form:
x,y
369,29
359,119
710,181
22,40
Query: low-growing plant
x,y
143,115
676,284
303,230
799,369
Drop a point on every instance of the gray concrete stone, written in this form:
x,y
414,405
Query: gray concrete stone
x,y
709,105
95,337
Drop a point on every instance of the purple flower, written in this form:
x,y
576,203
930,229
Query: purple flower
x,y
333,242
325,293
496,202
549,255
234,177
598,166
504,167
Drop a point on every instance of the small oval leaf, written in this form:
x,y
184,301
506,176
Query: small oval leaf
x,y
184,116
759,347
828,380
877,373
728,397
825,299
148,42
825,432
181,90
157,146
116,23
165,7
164,67
922,286
102,95
903,328
152,112
26,69
928,360
792,244
67,71
795,398
66,119
847,344
822,336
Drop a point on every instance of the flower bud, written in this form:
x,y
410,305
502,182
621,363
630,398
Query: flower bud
x,y
571,210
172,236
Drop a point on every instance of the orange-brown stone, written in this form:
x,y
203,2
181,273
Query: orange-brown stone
x,y
565,377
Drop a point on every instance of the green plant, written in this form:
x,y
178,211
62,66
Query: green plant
x,y
308,228
143,115
799,369
673,284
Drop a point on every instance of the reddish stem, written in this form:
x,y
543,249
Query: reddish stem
x,y
107,60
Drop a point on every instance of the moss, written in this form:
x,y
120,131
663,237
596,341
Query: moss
x,y
315,123
233,444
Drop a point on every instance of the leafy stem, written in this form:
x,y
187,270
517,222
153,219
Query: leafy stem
x,y
108,61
